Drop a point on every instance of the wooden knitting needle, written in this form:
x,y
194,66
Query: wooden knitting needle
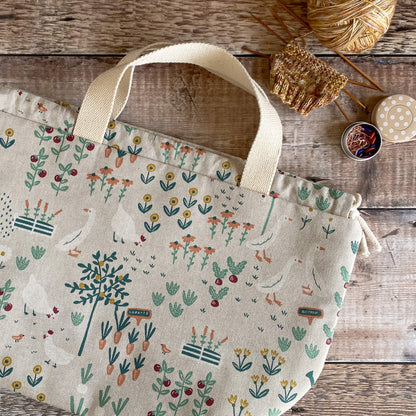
x,y
342,111
305,24
279,19
355,99
255,52
362,84
269,28
360,71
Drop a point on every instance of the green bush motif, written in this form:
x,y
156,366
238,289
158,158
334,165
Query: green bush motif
x,y
335,194
38,252
77,318
172,288
338,300
345,275
298,333
158,298
22,262
284,343
189,298
311,351
175,309
328,331
304,193
322,203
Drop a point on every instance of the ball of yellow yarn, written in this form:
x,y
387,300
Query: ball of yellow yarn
x,y
350,26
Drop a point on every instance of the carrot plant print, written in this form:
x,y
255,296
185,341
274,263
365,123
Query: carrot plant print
x,y
101,282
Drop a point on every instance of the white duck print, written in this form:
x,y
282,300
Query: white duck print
x,y
124,228
55,354
36,298
71,241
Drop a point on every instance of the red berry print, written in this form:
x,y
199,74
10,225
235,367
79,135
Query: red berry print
x,y
49,130
8,307
189,391
42,173
233,278
174,394
328,341
150,414
157,368
70,138
218,282
166,383
1,292
57,178
215,303
74,172
33,159
90,147
209,402
345,285
56,139
201,385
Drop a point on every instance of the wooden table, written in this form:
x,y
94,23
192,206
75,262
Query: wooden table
x,y
56,48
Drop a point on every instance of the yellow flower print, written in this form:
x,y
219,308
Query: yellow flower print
x,y
151,167
255,379
226,165
264,352
137,140
247,352
207,199
40,397
247,413
16,385
121,277
111,125
6,361
232,399
147,198
154,217
187,214
274,353
102,294
37,369
101,263
81,285
281,360
237,179
170,176
292,384
193,191
9,132
97,277
238,352
284,383
173,201
264,379
112,300
243,403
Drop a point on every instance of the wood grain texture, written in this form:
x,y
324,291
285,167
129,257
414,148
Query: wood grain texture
x,y
114,27
342,389
188,102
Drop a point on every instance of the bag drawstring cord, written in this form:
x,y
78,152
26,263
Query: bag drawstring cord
x,y
367,233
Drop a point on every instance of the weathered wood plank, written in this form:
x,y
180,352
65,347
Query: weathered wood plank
x,y
378,317
342,389
199,107
108,27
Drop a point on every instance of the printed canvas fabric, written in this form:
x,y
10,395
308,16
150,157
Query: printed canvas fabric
x,y
137,277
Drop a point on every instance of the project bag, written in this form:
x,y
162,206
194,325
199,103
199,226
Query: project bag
x,y
143,275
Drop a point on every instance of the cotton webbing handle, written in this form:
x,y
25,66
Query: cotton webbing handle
x,y
107,95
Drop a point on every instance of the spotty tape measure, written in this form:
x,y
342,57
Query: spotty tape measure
x,y
395,117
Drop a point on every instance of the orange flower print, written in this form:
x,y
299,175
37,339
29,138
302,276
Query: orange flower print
x,y
214,220
247,226
167,146
200,152
106,171
93,177
188,238
127,182
233,224
208,252
175,245
227,214
195,249
112,181
185,149
274,194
